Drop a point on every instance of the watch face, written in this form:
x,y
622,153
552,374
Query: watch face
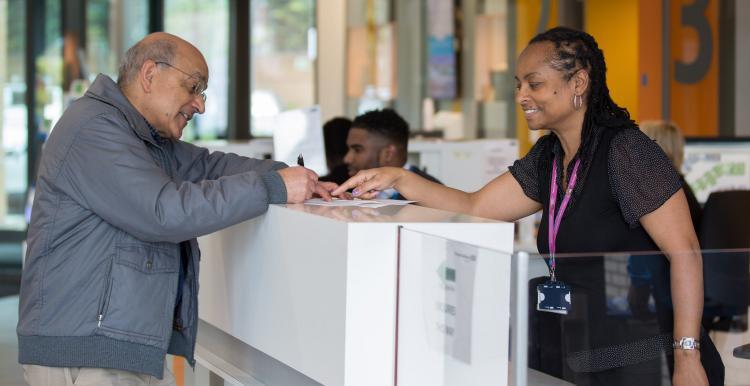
x,y
686,344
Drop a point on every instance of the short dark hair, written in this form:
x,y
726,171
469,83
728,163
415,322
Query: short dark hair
x,y
334,136
385,123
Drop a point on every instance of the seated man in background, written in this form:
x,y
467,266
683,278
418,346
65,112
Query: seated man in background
x,y
380,138
334,136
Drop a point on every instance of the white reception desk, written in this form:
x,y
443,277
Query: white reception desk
x,y
308,294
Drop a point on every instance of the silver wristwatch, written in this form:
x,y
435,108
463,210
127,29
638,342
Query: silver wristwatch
x,y
686,343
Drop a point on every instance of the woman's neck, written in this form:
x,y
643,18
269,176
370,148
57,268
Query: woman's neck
x,y
570,142
570,136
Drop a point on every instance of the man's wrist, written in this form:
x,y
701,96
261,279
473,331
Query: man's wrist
x,y
275,187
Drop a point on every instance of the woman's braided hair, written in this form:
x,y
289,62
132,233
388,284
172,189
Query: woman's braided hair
x,y
576,50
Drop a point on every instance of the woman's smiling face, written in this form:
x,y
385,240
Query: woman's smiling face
x,y
544,94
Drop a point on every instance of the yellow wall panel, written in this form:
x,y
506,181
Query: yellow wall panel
x,y
614,25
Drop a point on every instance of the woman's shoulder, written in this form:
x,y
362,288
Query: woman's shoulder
x,y
631,137
543,147
630,146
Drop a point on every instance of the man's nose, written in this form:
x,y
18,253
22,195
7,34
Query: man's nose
x,y
199,104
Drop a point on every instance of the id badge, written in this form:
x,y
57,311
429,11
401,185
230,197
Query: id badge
x,y
553,296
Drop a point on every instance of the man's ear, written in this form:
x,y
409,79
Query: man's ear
x,y
146,75
388,154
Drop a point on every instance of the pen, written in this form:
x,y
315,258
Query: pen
x,y
300,160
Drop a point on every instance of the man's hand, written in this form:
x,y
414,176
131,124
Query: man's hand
x,y
323,189
300,183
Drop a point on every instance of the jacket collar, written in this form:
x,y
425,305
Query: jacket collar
x,y
106,90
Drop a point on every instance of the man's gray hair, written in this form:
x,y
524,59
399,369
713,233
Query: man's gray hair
x,y
159,50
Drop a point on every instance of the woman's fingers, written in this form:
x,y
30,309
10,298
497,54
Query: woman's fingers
x,y
355,181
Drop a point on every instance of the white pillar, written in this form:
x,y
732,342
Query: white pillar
x,y
331,64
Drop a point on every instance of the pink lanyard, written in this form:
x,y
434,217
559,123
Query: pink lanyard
x,y
555,219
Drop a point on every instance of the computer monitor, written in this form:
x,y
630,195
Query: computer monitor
x,y
300,132
716,164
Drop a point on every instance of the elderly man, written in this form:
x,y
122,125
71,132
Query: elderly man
x,y
110,282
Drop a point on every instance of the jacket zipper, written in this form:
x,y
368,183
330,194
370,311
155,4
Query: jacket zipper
x,y
105,296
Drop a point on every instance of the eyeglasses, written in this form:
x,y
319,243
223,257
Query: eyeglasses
x,y
198,88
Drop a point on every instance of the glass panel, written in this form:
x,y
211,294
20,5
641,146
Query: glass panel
x,y
284,50
112,26
205,24
13,114
453,312
621,317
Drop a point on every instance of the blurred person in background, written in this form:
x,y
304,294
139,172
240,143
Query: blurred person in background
x,y
334,137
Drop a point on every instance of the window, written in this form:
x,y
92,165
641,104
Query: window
x,y
13,115
205,24
284,50
112,26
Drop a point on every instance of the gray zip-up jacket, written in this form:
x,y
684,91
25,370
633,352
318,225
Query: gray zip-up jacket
x,y
111,209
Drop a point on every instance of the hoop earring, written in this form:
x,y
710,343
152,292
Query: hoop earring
x,y
577,102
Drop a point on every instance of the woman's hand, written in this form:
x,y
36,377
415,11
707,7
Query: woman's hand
x,y
368,183
688,370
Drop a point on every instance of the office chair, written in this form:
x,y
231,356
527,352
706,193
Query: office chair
x,y
727,274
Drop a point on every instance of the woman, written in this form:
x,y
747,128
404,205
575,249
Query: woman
x,y
623,190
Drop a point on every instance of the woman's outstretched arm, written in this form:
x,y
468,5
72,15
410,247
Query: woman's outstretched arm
x,y
501,199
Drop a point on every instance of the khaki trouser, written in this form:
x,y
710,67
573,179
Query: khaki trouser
x,y
87,376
